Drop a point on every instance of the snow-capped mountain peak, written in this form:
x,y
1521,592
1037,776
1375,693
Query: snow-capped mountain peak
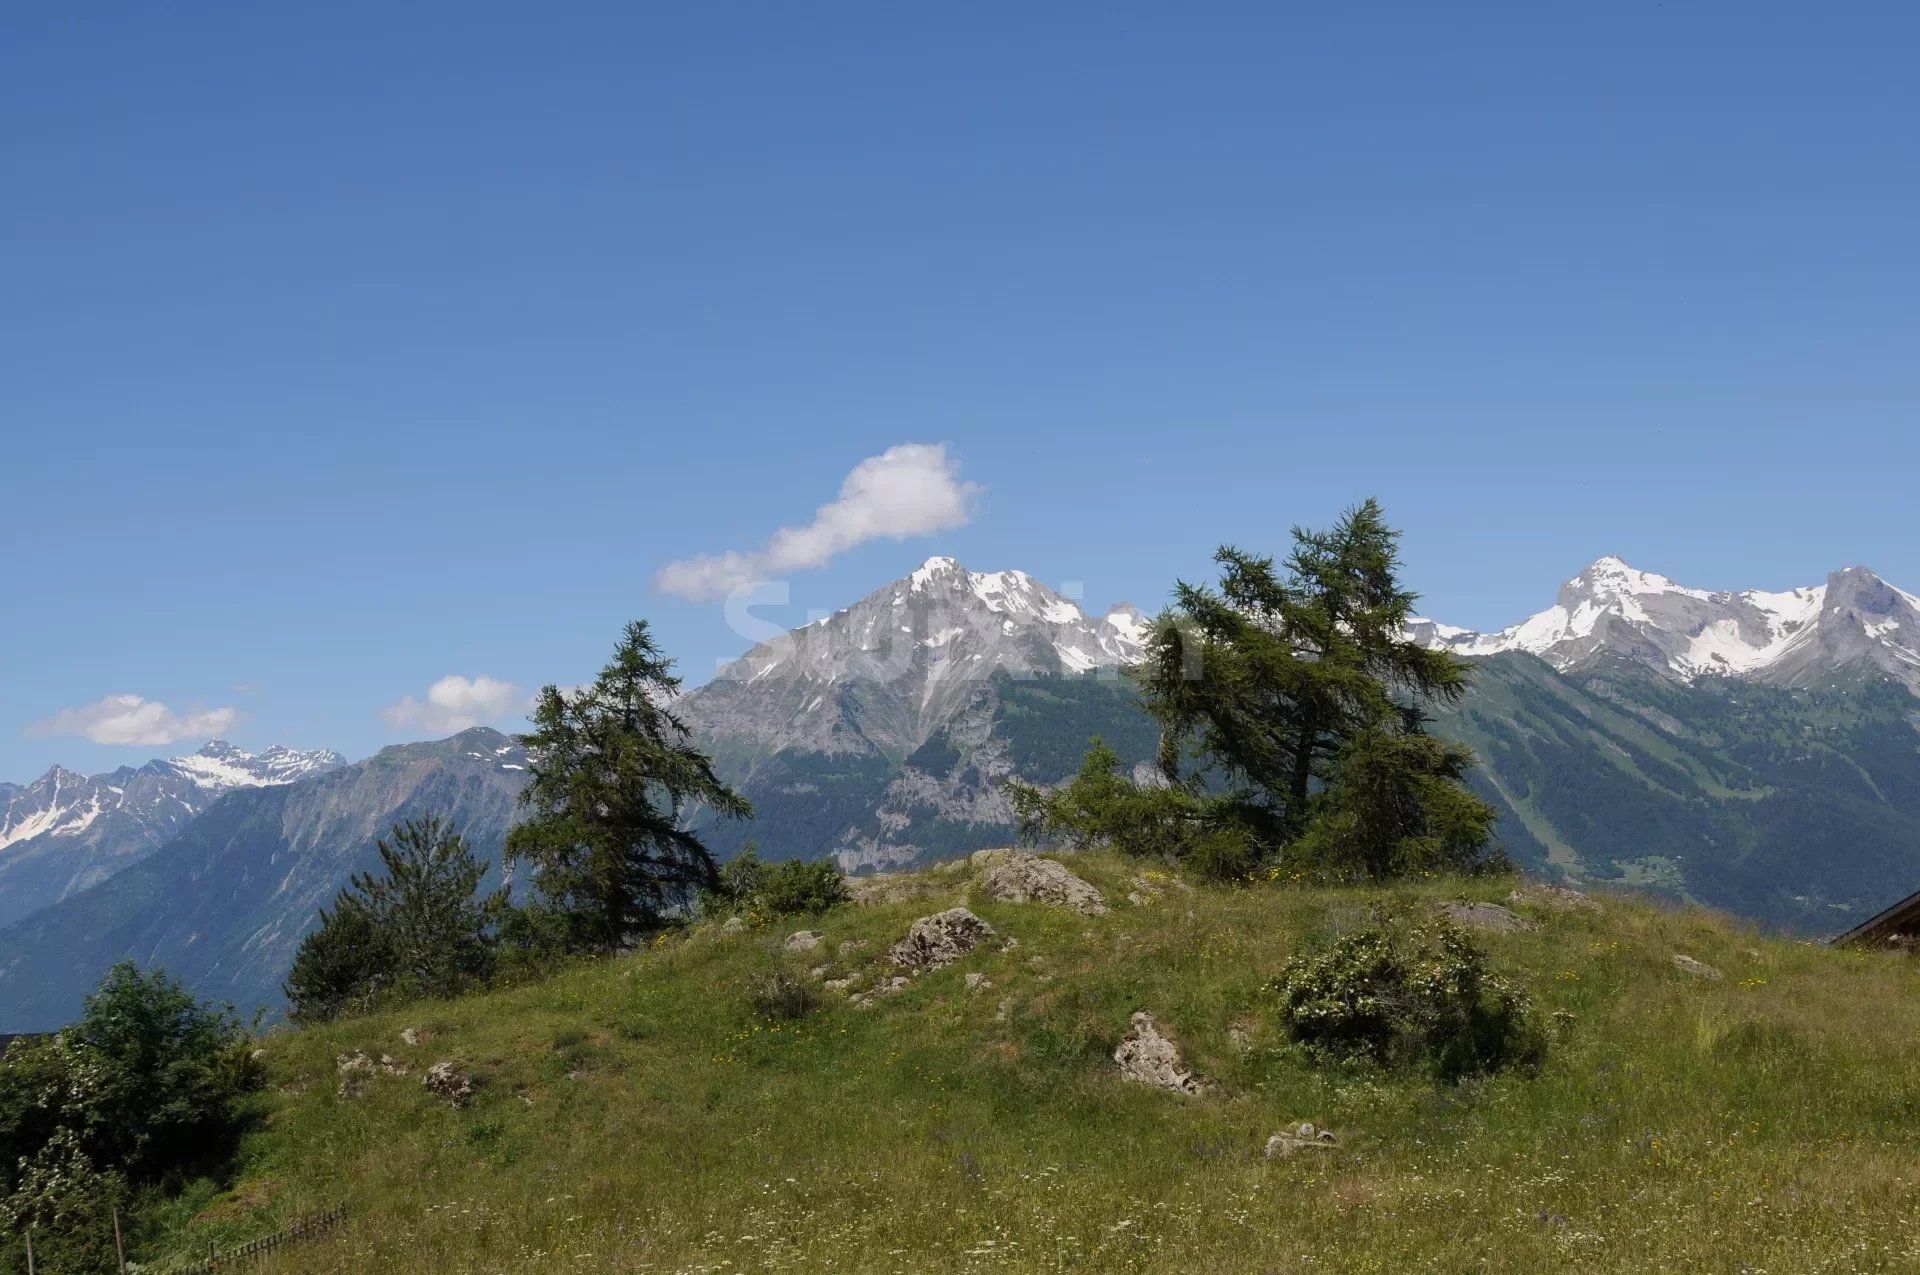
x,y
1788,637
65,831
220,767
922,643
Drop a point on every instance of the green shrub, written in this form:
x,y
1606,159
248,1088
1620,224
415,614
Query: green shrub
x,y
145,1091
779,997
1222,854
1406,996
804,886
1102,807
792,887
67,1201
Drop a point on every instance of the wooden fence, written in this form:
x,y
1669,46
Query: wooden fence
x,y
246,1254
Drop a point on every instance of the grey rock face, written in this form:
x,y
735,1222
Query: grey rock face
x,y
1149,1057
1303,1137
446,1081
1485,916
886,672
1542,897
1693,968
1019,877
939,940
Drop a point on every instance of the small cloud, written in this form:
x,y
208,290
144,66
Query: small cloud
x,y
134,719
910,490
455,703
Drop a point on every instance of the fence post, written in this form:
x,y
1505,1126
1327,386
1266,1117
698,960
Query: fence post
x,y
119,1245
29,1250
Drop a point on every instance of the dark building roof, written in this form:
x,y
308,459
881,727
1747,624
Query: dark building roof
x,y
1902,920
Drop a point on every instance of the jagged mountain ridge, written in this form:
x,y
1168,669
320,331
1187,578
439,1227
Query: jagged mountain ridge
x,y
225,902
1799,637
882,676
65,831
882,734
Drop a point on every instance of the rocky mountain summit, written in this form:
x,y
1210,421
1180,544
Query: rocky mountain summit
x,y
885,674
1855,622
883,733
65,831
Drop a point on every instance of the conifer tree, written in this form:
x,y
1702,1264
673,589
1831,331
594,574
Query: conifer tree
x,y
614,777
416,928
1272,676
1293,713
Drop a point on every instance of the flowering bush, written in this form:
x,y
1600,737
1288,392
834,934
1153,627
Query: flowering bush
x,y
1416,995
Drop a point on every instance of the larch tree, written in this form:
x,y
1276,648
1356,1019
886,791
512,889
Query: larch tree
x,y
614,777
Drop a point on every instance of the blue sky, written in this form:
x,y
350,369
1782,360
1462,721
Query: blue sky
x,y
344,348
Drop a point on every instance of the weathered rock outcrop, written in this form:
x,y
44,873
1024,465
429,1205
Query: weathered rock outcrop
x,y
1301,1138
448,1082
1147,1056
1552,898
1696,969
1485,916
939,940
1020,877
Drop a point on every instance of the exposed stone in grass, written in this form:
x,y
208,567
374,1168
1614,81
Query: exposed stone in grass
x,y
978,982
413,1036
866,999
940,940
1303,1137
1696,969
849,946
1552,898
448,1082
733,925
803,940
1490,917
888,887
355,1070
1020,877
1147,1056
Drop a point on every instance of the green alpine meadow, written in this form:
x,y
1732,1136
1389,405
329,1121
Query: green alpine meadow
x,y
640,1114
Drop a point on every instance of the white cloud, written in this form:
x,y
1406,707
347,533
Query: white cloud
x,y
134,719
910,490
455,703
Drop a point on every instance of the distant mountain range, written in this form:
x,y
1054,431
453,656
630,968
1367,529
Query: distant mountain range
x,y
64,832
1801,637
224,902
1755,751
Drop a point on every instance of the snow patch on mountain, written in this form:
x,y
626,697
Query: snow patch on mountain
x,y
1788,637
220,767
884,673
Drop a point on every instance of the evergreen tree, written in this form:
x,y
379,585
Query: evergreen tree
x,y
1292,710
417,928
613,778
341,968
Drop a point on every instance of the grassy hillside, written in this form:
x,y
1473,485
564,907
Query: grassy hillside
x,y
1797,807
634,1114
